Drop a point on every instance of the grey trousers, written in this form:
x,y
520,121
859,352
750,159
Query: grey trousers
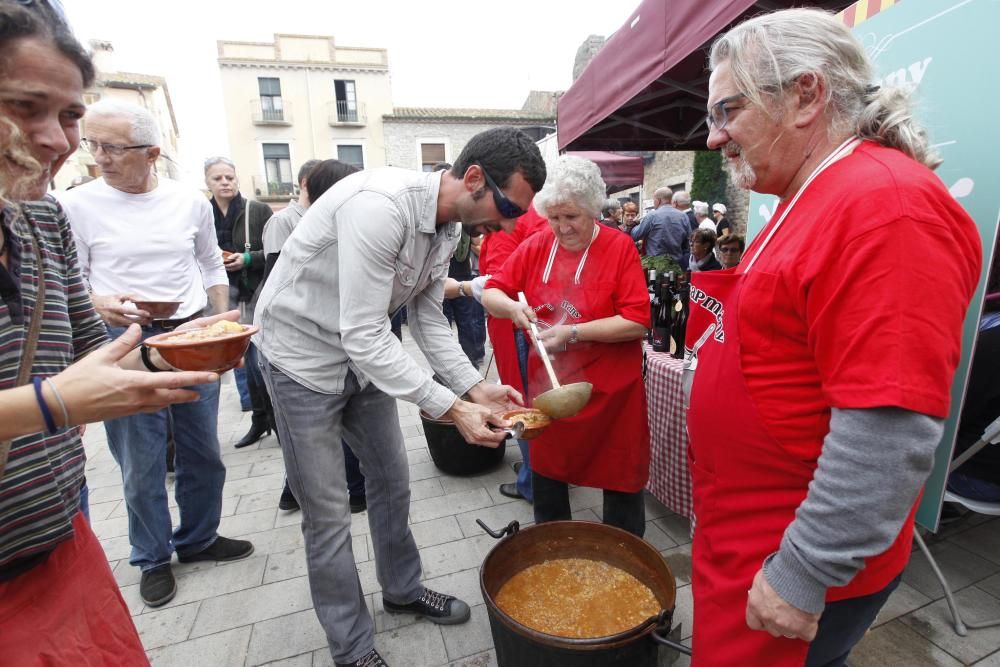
x,y
311,425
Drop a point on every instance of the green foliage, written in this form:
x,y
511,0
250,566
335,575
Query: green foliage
x,y
709,181
662,263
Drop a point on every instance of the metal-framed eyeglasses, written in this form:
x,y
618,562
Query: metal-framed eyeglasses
x,y
505,206
110,149
718,113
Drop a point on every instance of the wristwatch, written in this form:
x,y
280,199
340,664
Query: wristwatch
x,y
574,336
461,289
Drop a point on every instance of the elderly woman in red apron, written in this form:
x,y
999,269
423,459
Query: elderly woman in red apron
x,y
585,288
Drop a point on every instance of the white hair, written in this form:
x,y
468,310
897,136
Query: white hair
x,y
218,159
681,198
143,127
663,194
770,51
572,180
700,208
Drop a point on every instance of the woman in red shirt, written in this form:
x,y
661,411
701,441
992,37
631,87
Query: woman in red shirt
x,y
585,288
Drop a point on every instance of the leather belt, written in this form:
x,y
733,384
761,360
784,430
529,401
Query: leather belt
x,y
170,325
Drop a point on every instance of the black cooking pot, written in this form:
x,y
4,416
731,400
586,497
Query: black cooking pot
x,y
452,454
520,646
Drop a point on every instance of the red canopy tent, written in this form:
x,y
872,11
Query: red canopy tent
x,y
647,88
619,172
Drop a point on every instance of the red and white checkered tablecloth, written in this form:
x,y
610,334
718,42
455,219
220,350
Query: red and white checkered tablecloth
x,y
669,479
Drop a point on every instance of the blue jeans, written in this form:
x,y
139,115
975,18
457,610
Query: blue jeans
x,y
85,500
139,445
240,376
524,474
470,319
311,426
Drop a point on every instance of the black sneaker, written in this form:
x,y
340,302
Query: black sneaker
x,y
287,502
158,586
222,549
435,607
358,504
370,659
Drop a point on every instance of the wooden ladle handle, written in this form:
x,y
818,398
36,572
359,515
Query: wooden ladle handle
x,y
542,352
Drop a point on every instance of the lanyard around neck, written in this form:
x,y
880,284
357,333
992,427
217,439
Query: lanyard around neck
x,y
841,151
583,260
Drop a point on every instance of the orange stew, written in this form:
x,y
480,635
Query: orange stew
x,y
577,597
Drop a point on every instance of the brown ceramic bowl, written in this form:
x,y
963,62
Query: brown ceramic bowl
x,y
158,310
212,354
535,421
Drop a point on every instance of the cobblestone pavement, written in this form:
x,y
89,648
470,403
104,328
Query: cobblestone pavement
x,y
258,611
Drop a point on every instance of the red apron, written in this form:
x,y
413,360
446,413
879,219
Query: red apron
x,y
606,445
68,611
746,488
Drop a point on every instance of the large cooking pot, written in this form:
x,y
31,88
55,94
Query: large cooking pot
x,y
520,646
452,454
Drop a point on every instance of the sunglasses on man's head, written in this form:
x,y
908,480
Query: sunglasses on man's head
x,y
505,206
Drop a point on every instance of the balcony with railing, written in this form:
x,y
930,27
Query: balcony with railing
x,y
341,113
272,190
271,111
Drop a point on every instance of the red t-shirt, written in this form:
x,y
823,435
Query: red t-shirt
x,y
859,298
498,246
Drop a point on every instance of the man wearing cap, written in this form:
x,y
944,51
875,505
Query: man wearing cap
x,y
837,380
722,224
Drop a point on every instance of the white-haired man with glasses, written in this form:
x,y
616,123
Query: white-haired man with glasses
x,y
835,362
143,238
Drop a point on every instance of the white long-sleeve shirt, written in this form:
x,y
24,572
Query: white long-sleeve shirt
x,y
367,247
159,245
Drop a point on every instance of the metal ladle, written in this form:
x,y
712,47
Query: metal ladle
x,y
562,400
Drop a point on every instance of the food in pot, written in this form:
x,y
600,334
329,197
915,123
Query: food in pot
x,y
216,330
576,597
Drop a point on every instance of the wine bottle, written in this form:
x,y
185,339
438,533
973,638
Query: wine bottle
x,y
680,312
653,302
661,323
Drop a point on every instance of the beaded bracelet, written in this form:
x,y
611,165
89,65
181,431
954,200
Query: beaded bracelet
x,y
50,424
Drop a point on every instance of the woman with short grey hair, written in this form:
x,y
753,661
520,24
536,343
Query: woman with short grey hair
x,y
586,283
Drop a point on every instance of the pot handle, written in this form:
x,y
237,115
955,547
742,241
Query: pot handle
x,y
511,529
662,629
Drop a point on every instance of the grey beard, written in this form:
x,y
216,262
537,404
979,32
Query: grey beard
x,y
741,173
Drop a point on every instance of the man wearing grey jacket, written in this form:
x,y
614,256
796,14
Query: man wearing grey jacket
x,y
376,241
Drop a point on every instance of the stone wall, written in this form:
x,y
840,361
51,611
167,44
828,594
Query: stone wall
x,y
672,168
402,138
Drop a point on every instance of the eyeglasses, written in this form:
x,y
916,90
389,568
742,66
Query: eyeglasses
x,y
110,149
505,206
735,250
718,113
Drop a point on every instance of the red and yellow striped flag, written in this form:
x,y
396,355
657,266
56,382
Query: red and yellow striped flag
x,y
862,10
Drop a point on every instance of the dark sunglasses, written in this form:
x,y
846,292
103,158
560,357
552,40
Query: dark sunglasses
x,y
505,206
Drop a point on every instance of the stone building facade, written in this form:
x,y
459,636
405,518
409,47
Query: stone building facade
x,y
417,137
